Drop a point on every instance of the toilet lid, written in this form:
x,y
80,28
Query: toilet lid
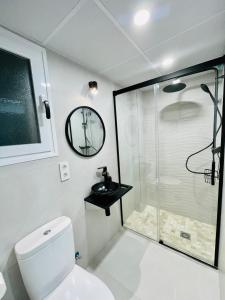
x,y
81,285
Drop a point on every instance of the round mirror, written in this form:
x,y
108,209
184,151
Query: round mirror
x,y
85,131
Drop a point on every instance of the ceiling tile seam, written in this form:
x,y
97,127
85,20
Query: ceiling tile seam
x,y
185,31
32,40
80,64
70,58
64,21
119,27
38,43
120,64
171,38
136,75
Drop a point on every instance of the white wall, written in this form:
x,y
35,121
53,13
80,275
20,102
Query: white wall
x,y
32,194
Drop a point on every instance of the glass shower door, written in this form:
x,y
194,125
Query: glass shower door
x,y
138,158
188,204
159,127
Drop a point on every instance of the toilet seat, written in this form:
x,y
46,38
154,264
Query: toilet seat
x,y
81,285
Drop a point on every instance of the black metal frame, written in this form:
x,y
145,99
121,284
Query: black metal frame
x,y
178,74
186,254
68,131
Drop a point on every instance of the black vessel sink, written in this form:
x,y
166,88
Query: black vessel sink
x,y
105,197
105,189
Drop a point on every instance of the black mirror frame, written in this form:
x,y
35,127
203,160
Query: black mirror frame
x,y
68,128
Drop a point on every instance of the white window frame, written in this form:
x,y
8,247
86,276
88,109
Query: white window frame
x,y
38,60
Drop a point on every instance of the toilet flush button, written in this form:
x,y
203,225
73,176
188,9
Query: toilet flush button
x,y
64,170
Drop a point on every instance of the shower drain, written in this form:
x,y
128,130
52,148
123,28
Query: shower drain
x,y
185,235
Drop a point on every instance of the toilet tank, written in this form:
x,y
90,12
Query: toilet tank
x,y
46,257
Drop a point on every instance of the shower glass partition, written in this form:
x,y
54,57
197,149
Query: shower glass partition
x,y
157,131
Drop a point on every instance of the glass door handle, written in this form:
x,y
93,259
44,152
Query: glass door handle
x,y
44,100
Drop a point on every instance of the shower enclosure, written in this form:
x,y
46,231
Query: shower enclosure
x,y
170,150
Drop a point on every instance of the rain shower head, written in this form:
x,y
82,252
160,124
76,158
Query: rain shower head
x,y
175,87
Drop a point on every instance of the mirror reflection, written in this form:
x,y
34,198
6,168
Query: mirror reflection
x,y
85,131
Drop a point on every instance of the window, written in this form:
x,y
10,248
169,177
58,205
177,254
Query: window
x,y
26,117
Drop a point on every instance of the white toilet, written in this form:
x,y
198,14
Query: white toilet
x,y
47,264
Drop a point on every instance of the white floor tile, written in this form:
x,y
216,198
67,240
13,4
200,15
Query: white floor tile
x,y
135,268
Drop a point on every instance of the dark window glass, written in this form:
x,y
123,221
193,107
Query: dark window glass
x,y
18,115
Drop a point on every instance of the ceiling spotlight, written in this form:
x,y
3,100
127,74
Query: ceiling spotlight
x,y
93,86
176,81
141,17
167,62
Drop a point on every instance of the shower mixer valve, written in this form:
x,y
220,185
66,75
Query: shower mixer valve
x,y
208,175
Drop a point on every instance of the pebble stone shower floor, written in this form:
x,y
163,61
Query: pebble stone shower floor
x,y
202,236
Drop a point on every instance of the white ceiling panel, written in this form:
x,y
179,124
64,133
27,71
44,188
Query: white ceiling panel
x,y
168,17
101,35
131,68
138,77
204,42
92,40
34,19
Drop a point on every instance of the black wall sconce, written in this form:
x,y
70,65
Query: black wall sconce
x,y
93,86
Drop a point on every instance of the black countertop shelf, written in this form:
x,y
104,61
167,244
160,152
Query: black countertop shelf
x,y
105,202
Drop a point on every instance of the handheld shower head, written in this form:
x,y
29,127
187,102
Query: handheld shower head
x,y
205,88
210,174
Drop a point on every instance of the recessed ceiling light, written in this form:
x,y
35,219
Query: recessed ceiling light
x,y
141,17
167,62
176,81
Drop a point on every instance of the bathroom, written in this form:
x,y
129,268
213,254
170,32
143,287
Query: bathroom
x,y
109,61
